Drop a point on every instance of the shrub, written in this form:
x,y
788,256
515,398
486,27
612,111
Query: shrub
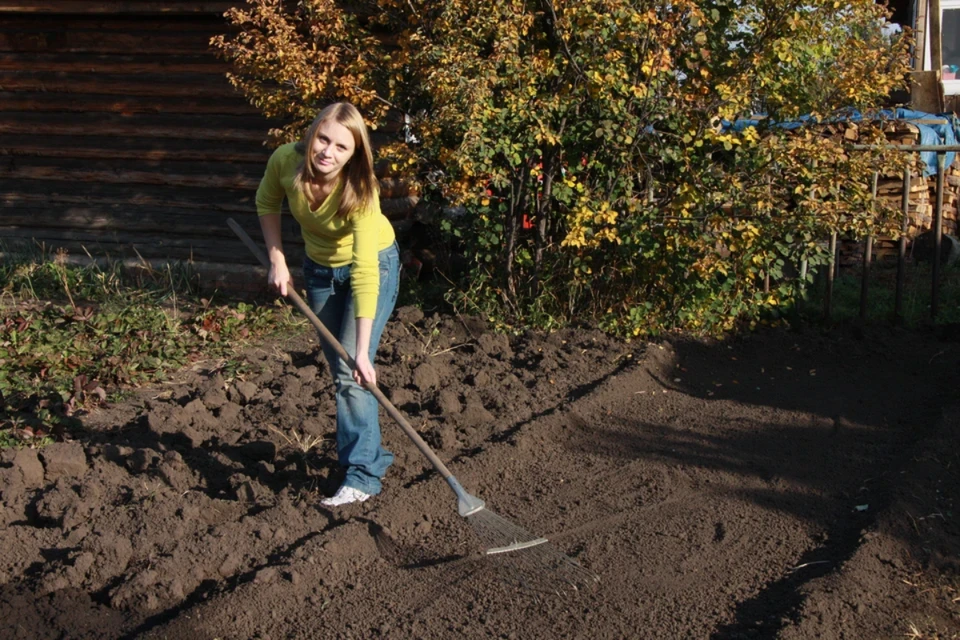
x,y
584,140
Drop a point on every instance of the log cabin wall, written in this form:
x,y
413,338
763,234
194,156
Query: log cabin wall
x,y
121,137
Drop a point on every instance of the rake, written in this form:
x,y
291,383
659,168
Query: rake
x,y
528,560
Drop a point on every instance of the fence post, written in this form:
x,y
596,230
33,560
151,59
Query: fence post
x,y
868,252
937,236
902,248
831,274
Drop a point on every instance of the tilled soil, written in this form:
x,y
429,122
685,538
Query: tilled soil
x,y
777,485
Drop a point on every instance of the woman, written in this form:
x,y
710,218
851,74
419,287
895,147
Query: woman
x,y
351,271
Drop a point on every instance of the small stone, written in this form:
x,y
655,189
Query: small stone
x,y
267,574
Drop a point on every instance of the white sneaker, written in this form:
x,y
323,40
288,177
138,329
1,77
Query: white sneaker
x,y
345,495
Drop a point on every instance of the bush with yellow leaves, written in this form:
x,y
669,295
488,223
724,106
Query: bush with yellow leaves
x,y
585,139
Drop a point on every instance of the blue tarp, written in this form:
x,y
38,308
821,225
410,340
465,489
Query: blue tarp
x,y
930,134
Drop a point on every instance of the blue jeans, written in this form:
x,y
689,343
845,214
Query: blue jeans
x,y
358,423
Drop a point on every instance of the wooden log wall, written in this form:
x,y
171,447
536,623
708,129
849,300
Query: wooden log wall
x,y
120,135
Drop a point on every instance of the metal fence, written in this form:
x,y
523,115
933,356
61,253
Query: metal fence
x,y
941,151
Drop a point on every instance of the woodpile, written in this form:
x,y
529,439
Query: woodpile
x,y
122,137
922,202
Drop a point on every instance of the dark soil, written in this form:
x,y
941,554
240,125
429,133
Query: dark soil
x,y
779,485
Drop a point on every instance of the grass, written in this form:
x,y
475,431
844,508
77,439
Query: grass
x,y
881,294
75,335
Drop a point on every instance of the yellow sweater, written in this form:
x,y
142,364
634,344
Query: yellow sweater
x,y
330,239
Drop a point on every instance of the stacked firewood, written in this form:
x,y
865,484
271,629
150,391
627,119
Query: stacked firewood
x,y
923,194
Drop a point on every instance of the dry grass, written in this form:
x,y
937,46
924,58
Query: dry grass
x,y
301,441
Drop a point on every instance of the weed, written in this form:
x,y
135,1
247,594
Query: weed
x,y
304,442
72,336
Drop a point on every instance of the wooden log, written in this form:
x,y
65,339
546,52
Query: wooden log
x,y
200,155
182,247
184,127
164,86
214,202
106,63
73,192
141,219
131,177
113,7
205,25
106,104
100,42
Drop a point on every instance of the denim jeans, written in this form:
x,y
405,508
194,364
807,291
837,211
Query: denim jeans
x,y
358,424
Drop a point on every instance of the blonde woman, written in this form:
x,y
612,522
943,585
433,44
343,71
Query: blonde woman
x,y
351,271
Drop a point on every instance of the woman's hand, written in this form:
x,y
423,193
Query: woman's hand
x,y
278,277
364,371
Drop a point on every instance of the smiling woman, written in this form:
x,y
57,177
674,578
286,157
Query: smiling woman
x,y
351,271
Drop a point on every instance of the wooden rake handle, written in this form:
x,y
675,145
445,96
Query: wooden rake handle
x,y
333,342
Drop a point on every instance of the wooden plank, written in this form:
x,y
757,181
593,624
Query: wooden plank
x,y
111,197
130,177
247,128
103,42
115,7
203,24
926,92
193,249
71,165
62,128
106,104
111,63
198,155
168,86
71,191
140,220
132,200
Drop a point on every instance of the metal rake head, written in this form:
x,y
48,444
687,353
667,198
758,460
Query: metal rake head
x,y
529,561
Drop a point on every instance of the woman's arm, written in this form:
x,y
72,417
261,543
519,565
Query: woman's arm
x,y
279,275
364,371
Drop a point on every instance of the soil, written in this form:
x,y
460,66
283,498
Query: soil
x,y
782,484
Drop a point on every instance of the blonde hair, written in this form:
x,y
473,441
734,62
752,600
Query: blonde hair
x,y
357,177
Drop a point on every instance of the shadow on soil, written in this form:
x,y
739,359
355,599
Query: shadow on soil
x,y
841,418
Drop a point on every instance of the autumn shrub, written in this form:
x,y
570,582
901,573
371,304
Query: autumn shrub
x,y
584,146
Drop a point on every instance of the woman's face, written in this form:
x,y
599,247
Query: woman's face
x,y
332,149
